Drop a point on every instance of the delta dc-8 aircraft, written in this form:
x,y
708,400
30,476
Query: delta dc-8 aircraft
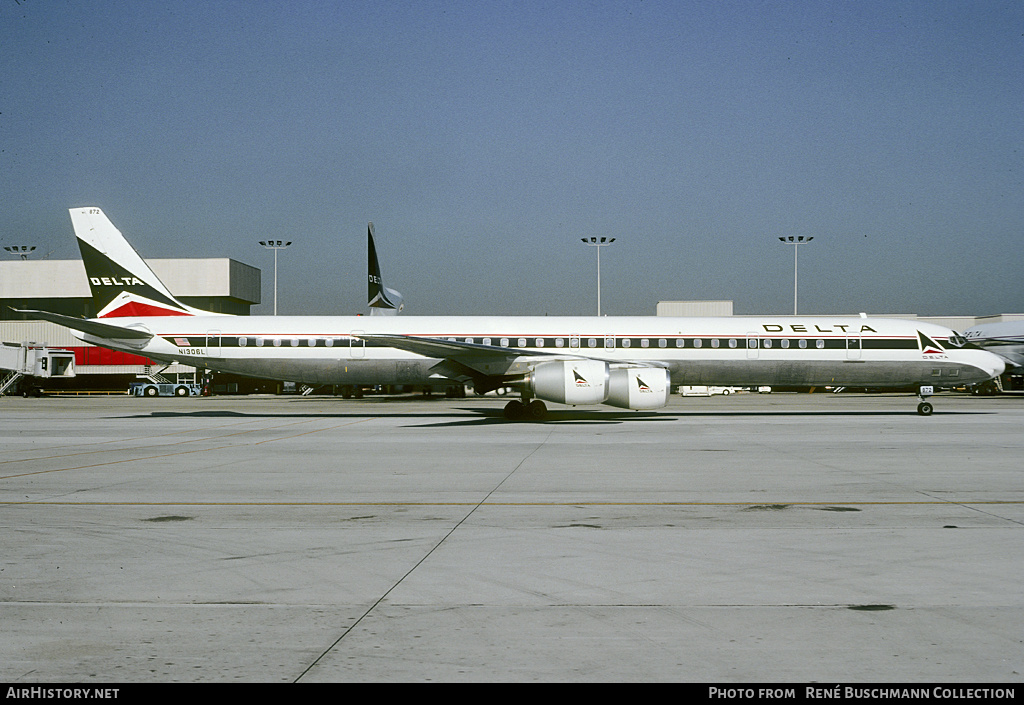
x,y
624,362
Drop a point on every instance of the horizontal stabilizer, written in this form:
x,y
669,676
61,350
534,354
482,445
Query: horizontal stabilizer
x,y
101,330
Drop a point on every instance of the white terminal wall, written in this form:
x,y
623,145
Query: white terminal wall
x,y
724,308
55,279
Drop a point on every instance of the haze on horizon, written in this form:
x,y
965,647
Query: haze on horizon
x,y
485,139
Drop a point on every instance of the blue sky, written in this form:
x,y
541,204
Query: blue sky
x,y
484,139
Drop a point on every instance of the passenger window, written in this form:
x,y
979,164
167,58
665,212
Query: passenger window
x,y
469,340
504,342
242,342
680,342
697,342
820,344
714,342
329,342
277,342
592,342
626,342
732,342
487,341
559,343
522,342
644,342
295,342
259,342
662,343
803,343
766,343
539,342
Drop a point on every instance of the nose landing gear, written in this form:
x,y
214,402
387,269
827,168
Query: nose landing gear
x,y
925,407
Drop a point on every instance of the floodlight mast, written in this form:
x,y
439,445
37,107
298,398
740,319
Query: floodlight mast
x,y
20,250
598,243
795,242
275,245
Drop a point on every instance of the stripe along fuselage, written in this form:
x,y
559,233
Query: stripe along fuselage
x,y
882,353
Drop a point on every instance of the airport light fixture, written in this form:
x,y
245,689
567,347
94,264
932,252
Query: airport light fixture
x,y
598,243
795,242
275,245
20,250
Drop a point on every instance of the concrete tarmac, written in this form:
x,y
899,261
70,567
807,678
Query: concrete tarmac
x,y
749,538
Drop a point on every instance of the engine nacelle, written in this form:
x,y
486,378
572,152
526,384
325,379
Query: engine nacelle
x,y
639,387
571,381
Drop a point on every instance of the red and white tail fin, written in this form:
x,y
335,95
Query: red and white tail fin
x,y
122,283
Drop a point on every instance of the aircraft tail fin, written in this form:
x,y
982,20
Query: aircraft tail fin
x,y
122,283
382,300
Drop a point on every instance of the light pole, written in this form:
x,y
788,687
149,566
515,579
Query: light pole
x,y
795,242
598,242
275,245
21,250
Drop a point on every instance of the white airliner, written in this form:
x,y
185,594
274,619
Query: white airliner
x,y
1005,339
625,362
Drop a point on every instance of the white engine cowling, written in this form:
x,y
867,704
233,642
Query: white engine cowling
x,y
570,381
639,387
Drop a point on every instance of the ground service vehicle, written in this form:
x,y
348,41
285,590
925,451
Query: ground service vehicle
x,y
149,386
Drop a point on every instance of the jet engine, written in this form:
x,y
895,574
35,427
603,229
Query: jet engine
x,y
571,382
639,388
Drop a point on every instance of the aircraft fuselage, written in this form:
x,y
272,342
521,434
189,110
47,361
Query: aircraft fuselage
x,y
811,351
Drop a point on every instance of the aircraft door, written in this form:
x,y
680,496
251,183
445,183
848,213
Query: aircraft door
x,y
853,347
356,346
213,343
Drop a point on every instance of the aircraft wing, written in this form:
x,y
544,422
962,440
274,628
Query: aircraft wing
x,y
101,330
487,359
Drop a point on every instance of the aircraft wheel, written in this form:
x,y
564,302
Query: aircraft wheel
x,y
924,408
537,410
152,392
515,410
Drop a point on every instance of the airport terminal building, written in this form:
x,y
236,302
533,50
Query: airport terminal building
x,y
724,308
60,286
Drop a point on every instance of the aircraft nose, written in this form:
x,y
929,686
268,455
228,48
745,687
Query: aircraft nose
x,y
994,365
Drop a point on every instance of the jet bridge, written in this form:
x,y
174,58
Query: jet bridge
x,y
22,363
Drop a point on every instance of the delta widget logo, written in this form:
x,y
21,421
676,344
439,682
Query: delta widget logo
x,y
929,346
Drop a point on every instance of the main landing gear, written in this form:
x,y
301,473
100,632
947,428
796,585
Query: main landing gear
x,y
925,407
524,410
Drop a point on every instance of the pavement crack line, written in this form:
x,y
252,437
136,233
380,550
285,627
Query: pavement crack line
x,y
974,507
420,562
